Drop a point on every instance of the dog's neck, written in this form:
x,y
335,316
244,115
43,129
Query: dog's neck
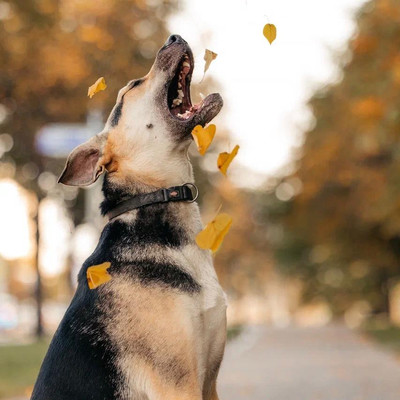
x,y
114,194
182,216
153,232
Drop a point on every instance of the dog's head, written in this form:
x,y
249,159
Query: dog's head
x,y
148,132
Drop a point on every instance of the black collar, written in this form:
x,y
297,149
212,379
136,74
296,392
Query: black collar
x,y
175,193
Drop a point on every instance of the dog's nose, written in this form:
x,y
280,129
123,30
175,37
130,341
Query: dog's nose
x,y
174,39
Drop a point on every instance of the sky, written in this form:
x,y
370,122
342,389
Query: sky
x,y
266,87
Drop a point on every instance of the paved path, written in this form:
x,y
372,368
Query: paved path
x,y
330,363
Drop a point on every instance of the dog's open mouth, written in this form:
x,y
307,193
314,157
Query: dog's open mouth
x,y
179,101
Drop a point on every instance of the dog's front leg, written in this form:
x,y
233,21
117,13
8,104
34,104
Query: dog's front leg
x,y
187,389
212,393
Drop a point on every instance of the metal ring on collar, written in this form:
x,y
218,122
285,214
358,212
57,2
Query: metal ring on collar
x,y
196,191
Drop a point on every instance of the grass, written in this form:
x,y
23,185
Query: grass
x,y
233,331
386,335
19,366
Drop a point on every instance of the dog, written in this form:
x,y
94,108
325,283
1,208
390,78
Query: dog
x,y
157,328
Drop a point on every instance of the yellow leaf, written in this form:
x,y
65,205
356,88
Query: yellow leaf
x,y
213,234
97,275
203,137
269,32
209,56
225,159
99,85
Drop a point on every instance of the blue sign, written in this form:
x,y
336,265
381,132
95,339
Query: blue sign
x,y
57,140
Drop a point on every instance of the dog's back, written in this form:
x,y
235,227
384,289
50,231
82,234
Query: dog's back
x,y
79,363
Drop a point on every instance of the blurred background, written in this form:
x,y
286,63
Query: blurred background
x,y
314,192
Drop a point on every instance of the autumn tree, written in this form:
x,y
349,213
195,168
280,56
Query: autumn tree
x,y
342,232
51,51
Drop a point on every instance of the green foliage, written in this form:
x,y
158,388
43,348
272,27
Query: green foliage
x,y
388,336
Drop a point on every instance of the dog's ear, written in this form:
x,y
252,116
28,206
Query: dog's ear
x,y
84,165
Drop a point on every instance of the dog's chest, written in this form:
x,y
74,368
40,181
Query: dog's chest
x,y
198,263
207,311
175,327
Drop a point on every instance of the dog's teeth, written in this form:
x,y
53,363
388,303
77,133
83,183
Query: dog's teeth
x,y
186,64
180,94
177,102
179,85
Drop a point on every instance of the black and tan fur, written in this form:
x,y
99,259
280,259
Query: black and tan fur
x,y
156,330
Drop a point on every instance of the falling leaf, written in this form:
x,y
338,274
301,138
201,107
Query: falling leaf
x,y
99,85
269,32
225,159
213,234
203,137
209,57
97,275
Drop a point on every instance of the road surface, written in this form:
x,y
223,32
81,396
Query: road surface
x,y
329,363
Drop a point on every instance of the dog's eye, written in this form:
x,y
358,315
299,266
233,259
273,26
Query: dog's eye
x,y
135,83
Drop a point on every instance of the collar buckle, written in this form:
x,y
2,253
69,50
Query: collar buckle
x,y
191,186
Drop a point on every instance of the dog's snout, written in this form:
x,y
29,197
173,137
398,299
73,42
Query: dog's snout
x,y
174,39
